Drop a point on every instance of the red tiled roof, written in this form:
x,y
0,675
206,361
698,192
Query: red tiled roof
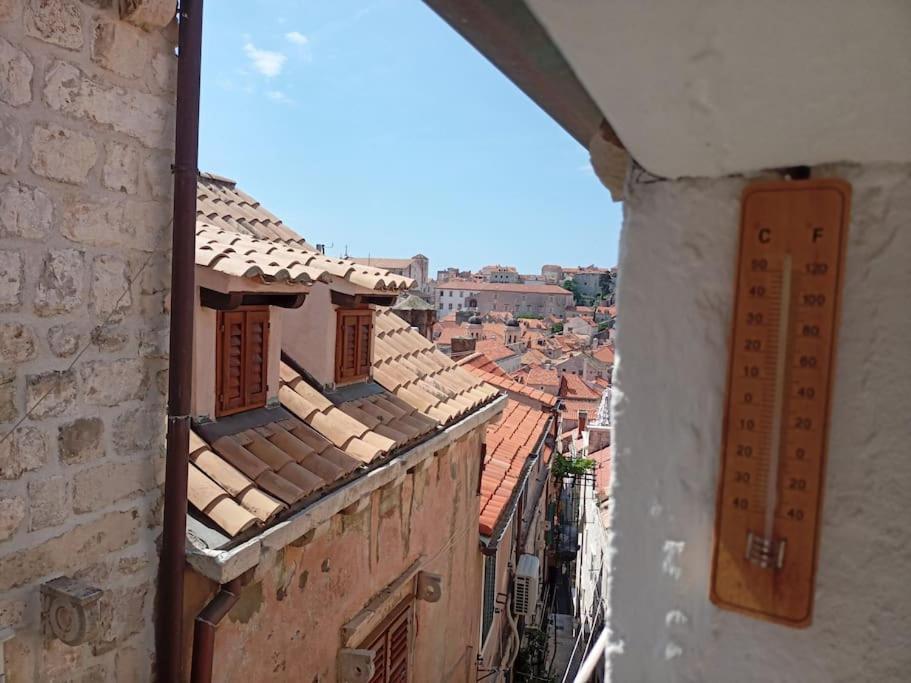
x,y
533,357
533,324
447,331
494,349
573,386
543,376
509,444
491,373
605,354
503,287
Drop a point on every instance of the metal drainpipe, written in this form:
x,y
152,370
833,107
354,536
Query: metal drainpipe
x,y
204,630
169,632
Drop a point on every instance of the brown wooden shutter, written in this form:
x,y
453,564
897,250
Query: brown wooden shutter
x,y
364,341
256,354
241,360
391,645
353,345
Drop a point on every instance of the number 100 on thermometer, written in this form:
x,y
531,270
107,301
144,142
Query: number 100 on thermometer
x,y
781,365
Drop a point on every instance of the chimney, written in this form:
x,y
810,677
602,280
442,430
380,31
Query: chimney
x,y
462,347
583,420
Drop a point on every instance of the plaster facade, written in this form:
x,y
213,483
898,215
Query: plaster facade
x,y
678,257
86,135
287,625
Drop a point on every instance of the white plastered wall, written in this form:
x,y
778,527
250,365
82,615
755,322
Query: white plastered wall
x,y
677,260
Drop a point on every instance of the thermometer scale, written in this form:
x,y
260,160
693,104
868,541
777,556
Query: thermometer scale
x,y
769,503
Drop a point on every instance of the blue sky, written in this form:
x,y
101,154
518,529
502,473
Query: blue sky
x,y
372,124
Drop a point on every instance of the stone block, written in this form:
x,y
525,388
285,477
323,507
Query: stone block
x,y
106,483
24,450
60,284
110,337
9,411
122,616
121,168
148,14
55,21
139,431
62,154
63,340
157,170
81,441
164,69
15,76
12,512
17,343
68,551
25,212
10,10
146,117
134,224
10,280
50,394
110,287
120,47
48,502
110,383
133,664
152,343
10,143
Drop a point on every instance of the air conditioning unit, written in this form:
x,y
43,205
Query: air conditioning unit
x,y
525,595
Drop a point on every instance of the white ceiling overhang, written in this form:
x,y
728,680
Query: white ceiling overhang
x,y
714,87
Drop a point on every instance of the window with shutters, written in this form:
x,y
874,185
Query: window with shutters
x,y
490,595
241,360
391,645
353,345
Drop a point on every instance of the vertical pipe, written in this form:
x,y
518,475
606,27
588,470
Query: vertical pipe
x,y
169,632
204,631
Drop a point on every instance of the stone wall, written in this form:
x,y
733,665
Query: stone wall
x,y
287,624
678,253
86,131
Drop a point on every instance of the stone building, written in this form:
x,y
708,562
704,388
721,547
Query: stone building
x,y
333,476
485,297
86,140
417,268
417,312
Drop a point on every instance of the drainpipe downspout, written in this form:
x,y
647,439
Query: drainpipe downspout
x,y
204,630
169,635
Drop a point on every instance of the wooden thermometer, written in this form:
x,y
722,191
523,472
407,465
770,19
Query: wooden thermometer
x,y
767,522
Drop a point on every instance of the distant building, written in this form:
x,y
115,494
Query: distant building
x,y
484,297
498,273
418,313
417,268
552,274
587,278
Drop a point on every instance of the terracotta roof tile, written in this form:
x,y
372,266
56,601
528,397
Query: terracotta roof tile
x,y
493,349
410,367
237,236
543,376
478,364
509,444
573,386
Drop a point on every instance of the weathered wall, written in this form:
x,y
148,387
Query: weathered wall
x,y
86,108
287,624
677,260
493,647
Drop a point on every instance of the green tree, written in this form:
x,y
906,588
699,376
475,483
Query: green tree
x,y
571,285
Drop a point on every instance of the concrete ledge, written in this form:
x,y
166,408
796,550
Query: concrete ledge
x,y
224,565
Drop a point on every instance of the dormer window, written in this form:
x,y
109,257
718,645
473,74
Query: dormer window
x,y
353,345
242,345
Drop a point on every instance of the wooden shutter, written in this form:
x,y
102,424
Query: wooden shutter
x,y
353,345
391,645
256,353
241,360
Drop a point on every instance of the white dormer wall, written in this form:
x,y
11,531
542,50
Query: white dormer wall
x,y
308,334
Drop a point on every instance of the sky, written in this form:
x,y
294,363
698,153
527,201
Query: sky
x,y
372,127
